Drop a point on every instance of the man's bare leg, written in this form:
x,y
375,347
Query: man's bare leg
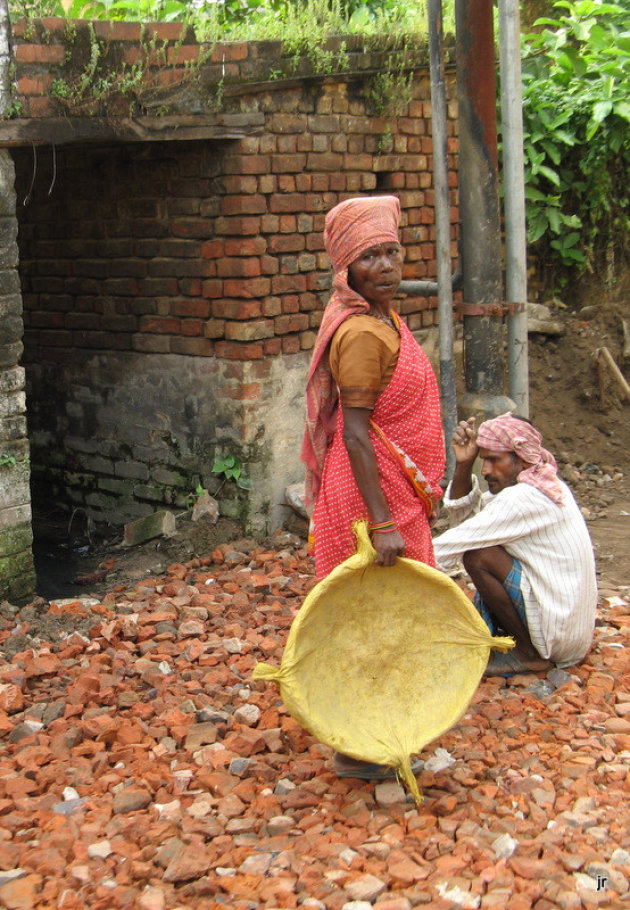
x,y
488,568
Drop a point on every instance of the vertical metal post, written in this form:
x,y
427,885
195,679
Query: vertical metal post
x,y
479,206
442,228
514,206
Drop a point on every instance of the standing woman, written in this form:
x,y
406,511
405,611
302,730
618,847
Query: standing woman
x,y
373,445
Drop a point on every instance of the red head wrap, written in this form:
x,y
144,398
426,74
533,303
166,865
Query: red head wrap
x,y
351,228
507,433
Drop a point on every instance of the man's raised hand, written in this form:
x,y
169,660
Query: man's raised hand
x,y
465,441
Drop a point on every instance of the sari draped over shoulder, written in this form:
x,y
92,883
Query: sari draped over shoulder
x,y
406,434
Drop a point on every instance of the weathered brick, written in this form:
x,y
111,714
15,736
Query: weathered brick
x,y
234,350
195,347
191,307
289,243
215,328
238,226
249,331
151,344
248,164
287,284
191,327
290,344
288,164
240,184
273,346
245,246
244,205
161,325
289,202
236,309
238,268
212,289
35,85
248,287
297,322
38,53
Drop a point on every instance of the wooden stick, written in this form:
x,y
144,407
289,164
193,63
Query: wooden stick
x,y
625,325
605,355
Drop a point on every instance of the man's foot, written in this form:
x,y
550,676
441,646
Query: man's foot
x,y
512,664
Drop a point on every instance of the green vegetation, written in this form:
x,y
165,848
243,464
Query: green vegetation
x,y
229,467
576,108
576,92
300,20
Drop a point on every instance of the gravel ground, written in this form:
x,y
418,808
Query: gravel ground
x,y
142,767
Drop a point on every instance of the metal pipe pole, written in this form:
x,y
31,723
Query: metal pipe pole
x,y
479,206
514,205
448,393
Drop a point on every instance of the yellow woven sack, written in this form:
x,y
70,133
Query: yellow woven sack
x,y
380,661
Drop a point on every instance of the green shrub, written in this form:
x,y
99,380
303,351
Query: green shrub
x,y
576,108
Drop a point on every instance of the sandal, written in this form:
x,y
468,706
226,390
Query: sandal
x,y
362,770
509,664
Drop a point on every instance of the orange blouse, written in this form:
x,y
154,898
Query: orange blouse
x,y
363,357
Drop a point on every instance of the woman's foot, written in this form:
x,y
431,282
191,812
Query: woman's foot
x,y
345,766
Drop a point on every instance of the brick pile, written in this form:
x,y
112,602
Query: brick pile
x,y
144,768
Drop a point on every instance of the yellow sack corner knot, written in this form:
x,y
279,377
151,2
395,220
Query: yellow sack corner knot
x,y
381,661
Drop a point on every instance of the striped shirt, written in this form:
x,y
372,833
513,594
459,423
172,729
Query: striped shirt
x,y
554,547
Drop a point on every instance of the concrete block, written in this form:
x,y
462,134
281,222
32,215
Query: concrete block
x,y
158,524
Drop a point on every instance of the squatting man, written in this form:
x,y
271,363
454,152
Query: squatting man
x,y
524,543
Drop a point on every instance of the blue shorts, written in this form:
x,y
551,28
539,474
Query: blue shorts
x,y
512,585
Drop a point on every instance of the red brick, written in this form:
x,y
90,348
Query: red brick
x,y
236,309
244,205
160,324
248,164
190,227
236,227
286,183
186,53
40,106
245,246
269,265
151,344
290,344
241,184
233,50
212,289
212,249
325,161
273,346
191,287
118,31
249,331
35,85
37,53
196,347
291,304
164,31
249,391
190,327
191,307
291,243
252,287
290,323
234,350
215,328
288,164
238,268
288,284
289,202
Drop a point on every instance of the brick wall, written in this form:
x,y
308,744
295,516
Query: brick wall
x,y
16,561
173,290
